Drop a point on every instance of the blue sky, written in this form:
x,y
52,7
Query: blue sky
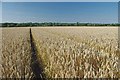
x,y
92,12
60,0
0,12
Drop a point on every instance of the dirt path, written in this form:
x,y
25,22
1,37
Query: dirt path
x,y
36,68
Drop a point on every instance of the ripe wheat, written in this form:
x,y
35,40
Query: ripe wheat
x,y
16,53
78,52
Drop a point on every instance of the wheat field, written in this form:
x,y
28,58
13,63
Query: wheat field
x,y
63,52
0,50
78,52
16,53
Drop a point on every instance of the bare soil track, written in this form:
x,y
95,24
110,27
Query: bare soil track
x,y
36,68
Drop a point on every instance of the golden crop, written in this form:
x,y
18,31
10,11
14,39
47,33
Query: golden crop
x,y
84,52
16,53
78,52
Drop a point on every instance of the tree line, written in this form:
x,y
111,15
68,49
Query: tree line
x,y
30,24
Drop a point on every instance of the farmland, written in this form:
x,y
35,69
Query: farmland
x,y
63,52
16,53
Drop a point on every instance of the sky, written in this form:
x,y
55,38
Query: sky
x,y
60,0
84,12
